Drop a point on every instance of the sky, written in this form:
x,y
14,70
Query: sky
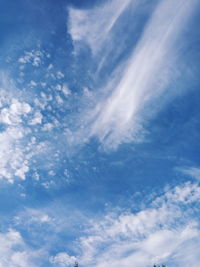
x,y
99,133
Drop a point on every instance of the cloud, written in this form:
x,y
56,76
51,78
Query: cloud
x,y
63,260
23,143
37,118
17,141
33,57
13,114
14,251
94,26
33,217
139,87
46,227
160,233
14,156
187,194
191,171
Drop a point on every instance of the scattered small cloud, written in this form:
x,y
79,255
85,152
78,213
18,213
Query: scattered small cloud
x,y
194,172
33,57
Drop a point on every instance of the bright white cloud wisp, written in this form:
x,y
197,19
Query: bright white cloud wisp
x,y
120,116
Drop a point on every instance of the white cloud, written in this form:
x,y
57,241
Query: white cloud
x,y
93,26
17,145
13,250
33,217
37,118
186,194
60,75
66,91
161,233
32,83
14,114
63,260
13,157
191,171
139,89
21,128
33,57
48,126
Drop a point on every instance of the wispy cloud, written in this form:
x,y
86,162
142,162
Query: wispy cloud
x,y
136,91
161,233
194,172
94,26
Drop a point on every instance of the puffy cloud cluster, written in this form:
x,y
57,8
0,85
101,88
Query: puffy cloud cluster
x,y
14,251
63,260
14,156
33,57
17,143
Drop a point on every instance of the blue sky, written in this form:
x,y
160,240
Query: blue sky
x,y
99,133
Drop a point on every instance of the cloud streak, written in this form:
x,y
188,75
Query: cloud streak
x,y
135,90
94,26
